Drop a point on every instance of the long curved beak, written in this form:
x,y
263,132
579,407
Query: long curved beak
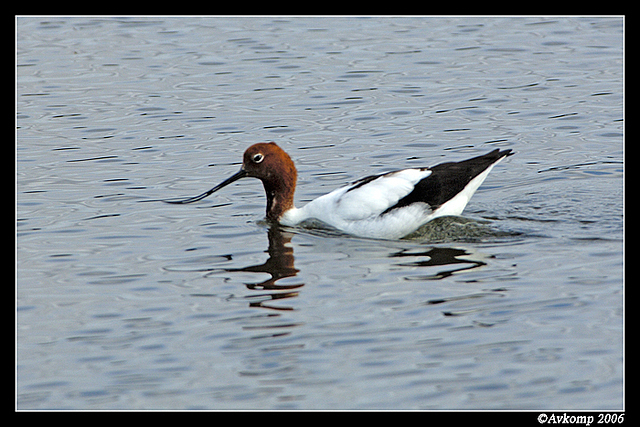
x,y
240,174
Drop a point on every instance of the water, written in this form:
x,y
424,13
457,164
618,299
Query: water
x,y
124,303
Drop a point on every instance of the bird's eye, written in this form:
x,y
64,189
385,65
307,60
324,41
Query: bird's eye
x,y
257,158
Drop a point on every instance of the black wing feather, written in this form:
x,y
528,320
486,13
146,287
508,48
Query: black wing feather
x,y
448,179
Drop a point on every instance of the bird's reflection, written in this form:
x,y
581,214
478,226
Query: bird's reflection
x,y
436,257
279,265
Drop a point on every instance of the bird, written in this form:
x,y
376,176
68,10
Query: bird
x,y
390,205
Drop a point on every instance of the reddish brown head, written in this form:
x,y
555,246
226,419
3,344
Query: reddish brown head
x,y
270,164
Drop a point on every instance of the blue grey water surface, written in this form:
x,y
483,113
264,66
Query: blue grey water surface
x,y
126,303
